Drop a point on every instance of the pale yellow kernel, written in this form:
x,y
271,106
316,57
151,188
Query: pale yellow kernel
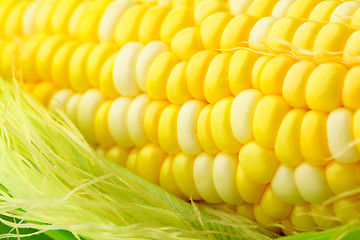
x,y
258,33
71,107
238,7
355,21
323,11
344,12
43,15
206,8
281,8
167,178
351,54
60,99
28,18
346,209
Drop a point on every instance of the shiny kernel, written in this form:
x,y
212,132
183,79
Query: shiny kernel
x,y
257,69
124,69
300,8
196,70
273,206
242,113
351,54
43,15
273,74
330,41
184,175
61,15
236,32
224,173
257,162
167,129
167,178
261,8
149,161
178,18
204,180
106,82
284,187
28,18
60,99
268,115
87,107
323,90
238,7
101,126
117,121
117,155
259,32
127,28
186,43
313,138
323,11
221,127
151,119
311,183
281,8
77,69
114,11
339,135
355,21
294,86
145,59
206,8
342,177
216,85
212,27
249,190
135,120
187,127
240,67
304,38
131,160
149,27
344,12
75,18
204,130
287,143
44,91
176,88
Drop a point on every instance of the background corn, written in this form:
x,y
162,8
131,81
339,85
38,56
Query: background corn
x,y
251,103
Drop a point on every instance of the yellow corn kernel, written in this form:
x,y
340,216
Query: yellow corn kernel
x,y
355,19
260,8
301,217
127,28
344,12
284,187
75,18
206,8
77,69
28,18
258,163
216,84
246,210
323,89
117,121
323,11
187,127
345,209
186,43
71,108
287,143
204,130
212,27
300,8
313,138
240,67
273,206
87,107
176,88
196,70
323,216
238,7
257,69
60,17
13,23
149,27
114,11
339,135
268,115
135,120
60,74
106,82
204,180
272,76
167,178
221,127
264,219
149,161
124,69
351,52
342,177
304,38
236,32
43,15
5,8
96,60
43,92
356,128
249,190
258,33
295,82
101,126
178,18
242,113
182,168
131,161
151,118
158,74
281,8
167,129
311,183
117,155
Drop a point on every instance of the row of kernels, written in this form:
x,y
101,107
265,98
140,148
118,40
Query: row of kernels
x,y
321,11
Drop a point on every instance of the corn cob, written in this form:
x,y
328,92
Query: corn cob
x,y
252,103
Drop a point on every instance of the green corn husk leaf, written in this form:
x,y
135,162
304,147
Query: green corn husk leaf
x,y
52,180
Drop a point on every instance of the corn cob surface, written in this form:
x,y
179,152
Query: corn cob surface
x,y
254,103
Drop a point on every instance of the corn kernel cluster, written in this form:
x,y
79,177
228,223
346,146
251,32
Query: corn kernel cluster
x,y
252,103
